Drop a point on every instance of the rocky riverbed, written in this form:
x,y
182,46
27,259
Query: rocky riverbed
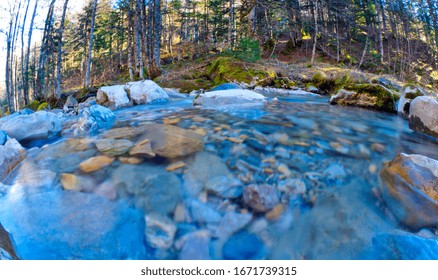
x,y
285,176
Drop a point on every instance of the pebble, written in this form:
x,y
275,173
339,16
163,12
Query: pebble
x,y
234,140
160,231
275,213
261,198
95,163
282,168
372,168
113,147
199,119
171,121
107,190
175,166
200,131
378,147
130,160
70,182
142,149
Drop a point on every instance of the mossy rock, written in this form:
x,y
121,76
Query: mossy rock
x,y
370,96
34,105
329,85
226,70
43,106
187,86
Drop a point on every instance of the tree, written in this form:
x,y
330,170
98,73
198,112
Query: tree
x,y
90,47
59,61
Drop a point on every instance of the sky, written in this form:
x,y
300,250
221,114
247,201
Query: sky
x,y
73,5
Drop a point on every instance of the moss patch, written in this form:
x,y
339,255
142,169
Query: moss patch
x,y
43,106
226,69
384,99
33,105
329,85
187,86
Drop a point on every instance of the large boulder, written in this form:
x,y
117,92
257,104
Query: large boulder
x,y
62,225
409,93
171,141
94,118
3,137
113,97
10,155
423,116
368,96
145,92
41,125
228,97
410,190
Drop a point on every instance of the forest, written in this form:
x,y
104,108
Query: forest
x,y
125,40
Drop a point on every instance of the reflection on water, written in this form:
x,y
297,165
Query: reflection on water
x,y
316,164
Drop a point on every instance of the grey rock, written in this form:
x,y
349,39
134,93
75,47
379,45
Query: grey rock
x,y
409,93
11,154
113,97
208,169
41,125
145,92
231,223
152,187
228,97
112,147
224,186
423,117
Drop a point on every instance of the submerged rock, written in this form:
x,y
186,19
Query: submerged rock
x,y
367,96
95,163
423,115
150,187
195,246
170,141
403,246
113,97
261,198
228,97
142,149
11,154
160,231
145,92
41,125
113,147
244,246
94,118
73,225
410,190
3,137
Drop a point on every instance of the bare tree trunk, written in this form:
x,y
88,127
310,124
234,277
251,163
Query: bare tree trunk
x,y
231,25
312,60
138,42
23,77
59,61
8,58
380,22
129,37
157,32
90,47
364,51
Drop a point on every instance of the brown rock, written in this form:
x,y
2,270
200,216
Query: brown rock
x,y
142,149
130,160
175,166
70,182
95,163
11,154
171,121
410,190
6,243
170,141
261,198
122,133
275,213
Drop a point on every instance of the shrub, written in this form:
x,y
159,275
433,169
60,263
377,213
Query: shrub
x,y
248,50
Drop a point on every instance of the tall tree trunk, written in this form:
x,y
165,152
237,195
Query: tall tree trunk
x,y
433,11
23,77
157,32
59,61
315,36
90,47
8,58
129,37
26,63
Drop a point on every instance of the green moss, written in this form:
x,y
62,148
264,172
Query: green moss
x,y
34,105
226,69
385,100
43,106
187,86
329,85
